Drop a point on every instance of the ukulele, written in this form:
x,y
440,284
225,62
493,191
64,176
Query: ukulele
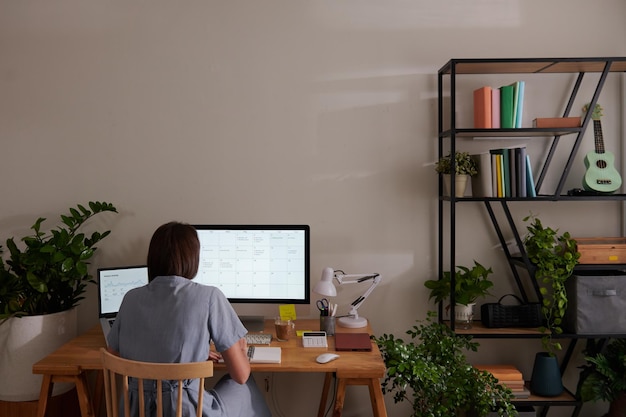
x,y
601,175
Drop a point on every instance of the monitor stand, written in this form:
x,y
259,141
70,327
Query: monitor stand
x,y
253,323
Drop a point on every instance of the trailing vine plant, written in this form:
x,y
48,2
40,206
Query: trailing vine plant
x,y
554,257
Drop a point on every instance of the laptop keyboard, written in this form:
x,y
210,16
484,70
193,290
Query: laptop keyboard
x,y
258,338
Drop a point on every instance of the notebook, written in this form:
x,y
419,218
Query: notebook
x,y
113,284
264,354
353,342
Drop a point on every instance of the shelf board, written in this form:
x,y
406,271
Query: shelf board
x,y
479,331
543,197
521,132
532,65
565,398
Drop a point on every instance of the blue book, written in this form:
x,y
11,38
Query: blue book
x,y
530,182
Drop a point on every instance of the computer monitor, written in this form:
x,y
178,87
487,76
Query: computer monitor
x,y
251,264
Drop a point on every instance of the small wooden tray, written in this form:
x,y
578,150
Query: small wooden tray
x,y
601,250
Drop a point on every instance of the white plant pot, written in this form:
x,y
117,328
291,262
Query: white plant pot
x,y
464,315
23,342
460,184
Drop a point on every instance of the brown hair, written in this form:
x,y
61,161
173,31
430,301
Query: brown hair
x,y
174,250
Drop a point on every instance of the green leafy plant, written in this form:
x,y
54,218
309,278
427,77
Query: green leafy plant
x,y
50,273
603,377
469,284
433,374
463,164
554,257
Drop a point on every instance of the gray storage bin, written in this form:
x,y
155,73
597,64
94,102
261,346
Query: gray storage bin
x,y
596,304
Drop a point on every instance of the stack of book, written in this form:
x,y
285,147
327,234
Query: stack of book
x,y
496,108
503,173
509,376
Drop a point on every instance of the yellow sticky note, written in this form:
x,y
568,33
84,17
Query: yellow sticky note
x,y
287,311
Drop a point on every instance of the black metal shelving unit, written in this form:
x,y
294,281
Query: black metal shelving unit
x,y
447,142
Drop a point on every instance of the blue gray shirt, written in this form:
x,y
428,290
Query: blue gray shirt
x,y
173,319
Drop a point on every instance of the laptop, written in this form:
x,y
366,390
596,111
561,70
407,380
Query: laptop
x,y
113,284
356,342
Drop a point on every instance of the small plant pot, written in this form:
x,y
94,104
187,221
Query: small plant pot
x,y
460,184
463,316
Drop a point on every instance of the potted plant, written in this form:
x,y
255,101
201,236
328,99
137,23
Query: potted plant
x,y
553,257
43,278
433,374
469,285
603,377
464,168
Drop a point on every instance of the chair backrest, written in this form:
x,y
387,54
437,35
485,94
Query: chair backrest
x,y
117,372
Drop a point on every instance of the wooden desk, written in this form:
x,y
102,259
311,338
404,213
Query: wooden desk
x,y
72,361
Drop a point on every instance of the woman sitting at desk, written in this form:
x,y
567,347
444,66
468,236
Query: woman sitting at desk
x,y
173,319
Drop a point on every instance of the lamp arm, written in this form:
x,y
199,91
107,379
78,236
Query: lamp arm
x,y
359,301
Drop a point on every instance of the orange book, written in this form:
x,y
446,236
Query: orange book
x,y
502,372
482,108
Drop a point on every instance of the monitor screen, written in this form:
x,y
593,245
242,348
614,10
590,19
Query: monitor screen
x,y
256,263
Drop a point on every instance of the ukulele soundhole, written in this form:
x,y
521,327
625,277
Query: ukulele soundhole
x,y
601,164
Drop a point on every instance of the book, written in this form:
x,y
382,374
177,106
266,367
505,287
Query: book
x,y
556,122
264,354
521,394
506,107
482,108
512,172
494,175
503,372
482,182
506,173
497,172
495,108
520,86
520,165
530,182
515,86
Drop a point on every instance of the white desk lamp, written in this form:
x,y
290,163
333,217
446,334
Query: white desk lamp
x,y
326,287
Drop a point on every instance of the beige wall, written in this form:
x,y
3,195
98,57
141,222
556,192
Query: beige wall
x,y
318,111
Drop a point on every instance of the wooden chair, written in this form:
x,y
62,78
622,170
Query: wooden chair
x,y
117,369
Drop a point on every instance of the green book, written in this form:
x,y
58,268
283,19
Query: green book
x,y
506,106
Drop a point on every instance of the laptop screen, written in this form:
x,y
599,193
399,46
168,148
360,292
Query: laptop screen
x,y
114,283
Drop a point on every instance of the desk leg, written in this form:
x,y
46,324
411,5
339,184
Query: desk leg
x,y
44,395
327,381
340,396
98,392
376,398
376,395
82,389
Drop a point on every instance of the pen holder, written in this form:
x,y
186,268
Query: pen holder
x,y
327,324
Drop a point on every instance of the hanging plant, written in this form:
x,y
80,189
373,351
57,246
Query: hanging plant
x,y
554,257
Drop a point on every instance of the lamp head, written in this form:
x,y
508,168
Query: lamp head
x,y
325,286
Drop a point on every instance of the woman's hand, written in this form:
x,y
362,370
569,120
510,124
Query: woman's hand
x,y
214,356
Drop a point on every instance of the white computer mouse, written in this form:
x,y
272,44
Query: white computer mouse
x,y
326,357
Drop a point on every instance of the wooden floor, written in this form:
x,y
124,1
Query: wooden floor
x,y
64,405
